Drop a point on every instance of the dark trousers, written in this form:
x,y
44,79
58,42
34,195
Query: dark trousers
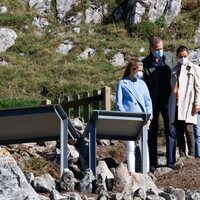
x,y
153,132
185,129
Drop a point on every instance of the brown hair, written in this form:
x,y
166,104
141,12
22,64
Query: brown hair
x,y
134,62
154,40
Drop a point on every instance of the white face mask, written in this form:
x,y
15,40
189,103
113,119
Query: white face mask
x,y
139,74
183,60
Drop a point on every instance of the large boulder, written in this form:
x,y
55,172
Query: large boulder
x,y
13,183
173,9
7,38
64,6
156,9
94,14
43,7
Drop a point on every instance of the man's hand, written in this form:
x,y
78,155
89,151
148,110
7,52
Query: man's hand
x,y
195,109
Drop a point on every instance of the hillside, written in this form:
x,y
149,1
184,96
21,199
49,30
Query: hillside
x,y
35,70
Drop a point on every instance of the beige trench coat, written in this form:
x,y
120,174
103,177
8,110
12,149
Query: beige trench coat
x,y
188,93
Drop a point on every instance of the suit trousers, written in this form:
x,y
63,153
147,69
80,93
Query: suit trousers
x,y
170,136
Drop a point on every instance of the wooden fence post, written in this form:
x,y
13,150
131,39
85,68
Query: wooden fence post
x,y
57,101
86,108
67,110
106,92
96,103
76,108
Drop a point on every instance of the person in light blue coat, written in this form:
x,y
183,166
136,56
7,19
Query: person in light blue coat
x,y
132,95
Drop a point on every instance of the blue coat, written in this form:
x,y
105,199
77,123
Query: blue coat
x,y
133,96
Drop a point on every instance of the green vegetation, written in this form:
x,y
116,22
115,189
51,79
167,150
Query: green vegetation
x,y
34,64
39,166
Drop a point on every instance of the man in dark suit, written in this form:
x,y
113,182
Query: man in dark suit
x,y
157,77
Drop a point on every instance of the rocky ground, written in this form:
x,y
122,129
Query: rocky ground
x,y
185,175
40,174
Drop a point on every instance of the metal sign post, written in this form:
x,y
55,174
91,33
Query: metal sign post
x,y
117,125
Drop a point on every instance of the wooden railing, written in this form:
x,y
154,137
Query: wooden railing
x,y
81,105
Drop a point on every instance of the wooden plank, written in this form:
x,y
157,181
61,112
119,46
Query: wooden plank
x,y
86,108
106,93
76,97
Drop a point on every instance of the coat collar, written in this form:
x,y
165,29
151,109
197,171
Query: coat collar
x,y
189,68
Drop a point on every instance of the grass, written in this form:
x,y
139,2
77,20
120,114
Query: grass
x,y
39,166
35,65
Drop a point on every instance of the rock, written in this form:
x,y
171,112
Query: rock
x,y
154,197
7,38
3,63
44,183
139,12
71,196
78,124
55,195
102,168
63,7
86,183
162,161
107,51
116,195
118,60
179,194
30,177
161,171
192,195
67,180
167,196
156,9
73,154
104,142
142,181
195,55
178,165
43,7
197,36
140,193
94,14
40,22
74,20
13,183
121,179
77,30
65,47
103,196
87,53
100,183
3,9
173,9
42,197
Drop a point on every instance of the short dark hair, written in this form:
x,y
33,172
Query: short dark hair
x,y
181,49
134,62
154,40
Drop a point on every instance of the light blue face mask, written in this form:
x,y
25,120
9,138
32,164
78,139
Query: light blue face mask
x,y
158,53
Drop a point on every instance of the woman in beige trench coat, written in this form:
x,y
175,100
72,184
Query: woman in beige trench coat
x,y
184,102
